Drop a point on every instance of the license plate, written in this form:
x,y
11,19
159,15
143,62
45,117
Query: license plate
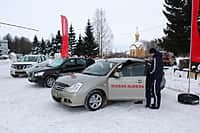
x,y
19,71
29,78
58,94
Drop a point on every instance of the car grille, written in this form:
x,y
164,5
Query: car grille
x,y
20,67
60,86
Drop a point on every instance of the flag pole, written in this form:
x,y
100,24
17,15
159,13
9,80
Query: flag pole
x,y
190,61
187,97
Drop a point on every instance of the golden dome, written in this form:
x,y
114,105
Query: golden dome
x,y
137,35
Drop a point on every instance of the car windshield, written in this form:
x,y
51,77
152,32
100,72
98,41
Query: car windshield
x,y
29,59
57,62
100,68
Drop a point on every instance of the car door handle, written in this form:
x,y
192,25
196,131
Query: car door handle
x,y
139,81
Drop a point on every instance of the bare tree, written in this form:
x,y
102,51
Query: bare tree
x,y
102,31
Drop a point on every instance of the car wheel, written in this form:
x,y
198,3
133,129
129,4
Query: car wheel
x,y
49,81
187,98
94,100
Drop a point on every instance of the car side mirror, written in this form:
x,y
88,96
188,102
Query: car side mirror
x,y
116,75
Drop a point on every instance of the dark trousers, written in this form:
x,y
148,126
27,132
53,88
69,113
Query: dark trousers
x,y
148,91
156,91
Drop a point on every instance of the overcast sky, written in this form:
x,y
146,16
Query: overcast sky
x,y
123,16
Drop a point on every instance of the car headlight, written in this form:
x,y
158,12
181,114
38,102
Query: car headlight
x,y
12,66
74,88
39,74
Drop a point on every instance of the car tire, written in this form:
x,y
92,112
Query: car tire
x,y
94,100
14,76
187,98
49,81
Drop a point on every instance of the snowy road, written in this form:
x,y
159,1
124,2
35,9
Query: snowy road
x,y
28,108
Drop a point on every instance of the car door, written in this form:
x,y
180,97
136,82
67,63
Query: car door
x,y
130,84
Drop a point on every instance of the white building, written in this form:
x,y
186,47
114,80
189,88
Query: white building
x,y
3,47
137,49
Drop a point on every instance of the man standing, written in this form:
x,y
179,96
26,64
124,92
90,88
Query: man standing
x,y
148,83
156,73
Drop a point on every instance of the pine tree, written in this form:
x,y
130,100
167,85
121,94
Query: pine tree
x,y
25,46
43,47
72,40
10,42
54,46
49,48
90,47
58,41
35,45
79,47
177,32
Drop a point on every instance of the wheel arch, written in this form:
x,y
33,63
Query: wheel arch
x,y
97,90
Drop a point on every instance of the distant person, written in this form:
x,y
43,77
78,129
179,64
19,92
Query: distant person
x,y
156,73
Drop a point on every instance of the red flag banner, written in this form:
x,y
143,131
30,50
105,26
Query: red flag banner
x,y
195,35
64,48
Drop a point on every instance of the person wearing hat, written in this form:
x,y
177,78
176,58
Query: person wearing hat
x,y
156,73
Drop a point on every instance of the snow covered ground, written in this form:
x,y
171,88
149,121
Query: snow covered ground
x,y
29,108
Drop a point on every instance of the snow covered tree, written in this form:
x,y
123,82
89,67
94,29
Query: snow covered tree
x,y
72,40
49,48
43,47
35,46
54,46
58,41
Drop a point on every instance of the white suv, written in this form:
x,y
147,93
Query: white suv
x,y
28,61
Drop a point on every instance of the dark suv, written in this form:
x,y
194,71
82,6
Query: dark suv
x,y
47,75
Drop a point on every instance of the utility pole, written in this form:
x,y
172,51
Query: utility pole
x,y
101,33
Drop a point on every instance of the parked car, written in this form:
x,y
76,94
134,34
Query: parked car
x,y
168,58
47,75
110,79
28,61
4,57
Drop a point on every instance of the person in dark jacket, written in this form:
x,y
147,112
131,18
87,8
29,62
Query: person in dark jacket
x,y
148,83
156,73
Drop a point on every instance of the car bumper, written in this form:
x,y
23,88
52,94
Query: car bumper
x,y
68,99
38,79
16,72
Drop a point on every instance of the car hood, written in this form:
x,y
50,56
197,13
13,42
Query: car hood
x,y
40,69
73,78
24,63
